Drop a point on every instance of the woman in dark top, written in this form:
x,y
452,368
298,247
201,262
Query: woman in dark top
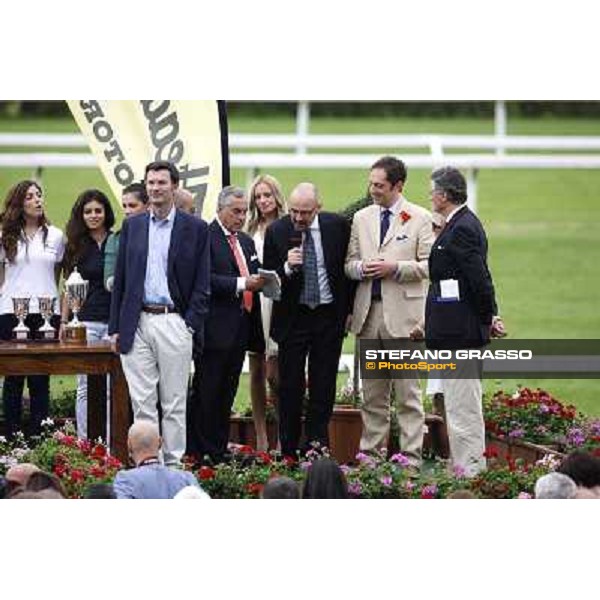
x,y
88,228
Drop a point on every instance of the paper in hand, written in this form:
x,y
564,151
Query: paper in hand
x,y
272,287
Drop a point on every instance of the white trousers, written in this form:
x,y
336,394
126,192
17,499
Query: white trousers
x,y
96,331
465,424
161,356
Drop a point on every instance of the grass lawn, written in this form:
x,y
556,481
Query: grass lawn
x,y
543,226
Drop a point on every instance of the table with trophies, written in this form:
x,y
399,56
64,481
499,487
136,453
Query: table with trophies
x,y
42,352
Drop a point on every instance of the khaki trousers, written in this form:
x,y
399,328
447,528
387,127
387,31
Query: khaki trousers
x,y
464,421
376,406
161,357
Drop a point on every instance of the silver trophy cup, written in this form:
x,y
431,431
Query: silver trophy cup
x,y
21,309
76,289
46,307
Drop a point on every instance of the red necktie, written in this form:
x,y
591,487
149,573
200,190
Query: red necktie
x,y
241,265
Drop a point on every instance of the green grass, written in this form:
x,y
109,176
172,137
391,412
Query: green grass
x,y
543,226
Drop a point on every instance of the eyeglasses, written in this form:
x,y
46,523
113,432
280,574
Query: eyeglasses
x,y
302,213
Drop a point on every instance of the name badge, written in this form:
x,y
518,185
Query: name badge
x,y
449,291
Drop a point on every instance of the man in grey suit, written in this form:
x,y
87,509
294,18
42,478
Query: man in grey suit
x,y
150,479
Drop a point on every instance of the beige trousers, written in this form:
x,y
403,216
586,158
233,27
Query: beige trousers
x,y
464,421
376,406
160,357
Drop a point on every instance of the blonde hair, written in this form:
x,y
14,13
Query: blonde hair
x,y
255,217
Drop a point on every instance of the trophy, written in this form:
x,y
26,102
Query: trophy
x,y
21,310
76,289
46,308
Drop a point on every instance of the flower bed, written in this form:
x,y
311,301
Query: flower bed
x,y
536,417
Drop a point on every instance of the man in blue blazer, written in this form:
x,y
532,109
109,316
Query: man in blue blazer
x,y
460,313
233,326
159,303
150,479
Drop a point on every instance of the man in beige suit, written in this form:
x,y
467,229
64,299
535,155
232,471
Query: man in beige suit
x,y
388,252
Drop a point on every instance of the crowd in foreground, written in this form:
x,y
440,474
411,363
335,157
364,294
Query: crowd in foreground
x,y
577,476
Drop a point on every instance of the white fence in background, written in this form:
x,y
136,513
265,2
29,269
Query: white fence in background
x,y
468,152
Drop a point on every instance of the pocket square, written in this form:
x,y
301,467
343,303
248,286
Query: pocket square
x,y
402,238
254,257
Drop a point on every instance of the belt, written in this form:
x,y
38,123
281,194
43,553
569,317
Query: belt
x,y
158,309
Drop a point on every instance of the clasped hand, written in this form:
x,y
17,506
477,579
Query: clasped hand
x,y
378,268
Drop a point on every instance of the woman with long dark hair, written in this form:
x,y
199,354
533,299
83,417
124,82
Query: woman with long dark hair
x,y
325,480
91,220
31,251
266,205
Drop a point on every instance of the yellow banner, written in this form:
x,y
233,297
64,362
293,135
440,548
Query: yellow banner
x,y
125,135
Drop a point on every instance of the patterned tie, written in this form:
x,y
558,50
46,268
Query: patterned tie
x,y
310,294
241,265
383,229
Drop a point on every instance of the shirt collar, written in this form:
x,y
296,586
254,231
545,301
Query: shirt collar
x,y
451,215
394,208
167,219
314,226
226,231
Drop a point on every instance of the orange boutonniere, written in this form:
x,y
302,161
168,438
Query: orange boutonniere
x,y
404,216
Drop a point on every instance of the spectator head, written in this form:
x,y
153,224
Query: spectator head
x,y
281,488
41,480
184,200
100,491
325,480
134,199
143,441
24,494
191,492
24,200
19,475
583,468
555,486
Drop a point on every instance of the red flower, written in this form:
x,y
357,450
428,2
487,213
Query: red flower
x,y
404,216
289,461
99,451
255,488
59,469
245,450
491,452
113,463
264,457
98,472
77,475
205,473
68,440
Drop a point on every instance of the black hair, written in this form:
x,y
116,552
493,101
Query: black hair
x,y
163,165
325,480
395,169
138,189
582,467
281,488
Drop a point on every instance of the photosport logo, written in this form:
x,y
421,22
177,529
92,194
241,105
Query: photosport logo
x,y
540,359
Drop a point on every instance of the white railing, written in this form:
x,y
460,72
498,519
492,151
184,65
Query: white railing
x,y
491,152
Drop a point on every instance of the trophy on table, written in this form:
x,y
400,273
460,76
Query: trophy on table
x,y
46,308
21,309
76,289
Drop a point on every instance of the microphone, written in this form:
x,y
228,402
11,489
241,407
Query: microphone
x,y
295,240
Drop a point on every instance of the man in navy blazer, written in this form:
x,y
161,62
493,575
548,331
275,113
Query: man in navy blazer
x,y
159,302
460,313
233,326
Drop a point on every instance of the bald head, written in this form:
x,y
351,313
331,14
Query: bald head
x,y
143,441
304,203
184,200
20,474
